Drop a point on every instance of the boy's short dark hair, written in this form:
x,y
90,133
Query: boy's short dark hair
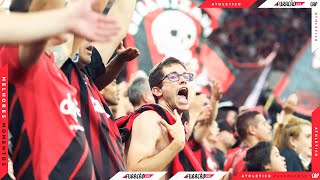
x,y
244,120
258,156
20,5
156,73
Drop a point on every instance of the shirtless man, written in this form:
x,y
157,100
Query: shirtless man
x,y
154,144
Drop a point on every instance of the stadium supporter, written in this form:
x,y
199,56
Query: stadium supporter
x,y
288,109
110,94
199,110
154,134
227,124
265,157
249,34
139,93
294,142
208,159
205,127
89,75
101,131
222,143
252,128
124,107
40,85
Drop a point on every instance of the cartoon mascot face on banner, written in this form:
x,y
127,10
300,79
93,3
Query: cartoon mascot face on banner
x,y
175,37
175,28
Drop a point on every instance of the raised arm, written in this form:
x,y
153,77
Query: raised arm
x,y
114,67
77,18
200,129
208,114
122,10
83,22
143,154
216,95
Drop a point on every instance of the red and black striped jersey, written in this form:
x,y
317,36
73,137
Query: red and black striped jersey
x,y
102,133
48,138
235,160
204,156
219,156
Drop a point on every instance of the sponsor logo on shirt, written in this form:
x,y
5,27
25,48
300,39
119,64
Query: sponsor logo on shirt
x,y
97,106
69,106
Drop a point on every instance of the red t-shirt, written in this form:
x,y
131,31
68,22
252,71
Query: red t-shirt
x,y
230,155
47,133
235,161
204,156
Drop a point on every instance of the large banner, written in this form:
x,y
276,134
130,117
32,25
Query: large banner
x,y
302,78
246,80
163,28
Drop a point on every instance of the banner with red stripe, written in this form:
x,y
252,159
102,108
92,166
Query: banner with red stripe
x,y
301,78
163,28
227,3
4,121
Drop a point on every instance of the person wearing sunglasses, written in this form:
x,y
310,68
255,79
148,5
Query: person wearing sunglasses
x,y
154,135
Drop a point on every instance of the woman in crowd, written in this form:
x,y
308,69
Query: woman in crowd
x,y
265,157
294,142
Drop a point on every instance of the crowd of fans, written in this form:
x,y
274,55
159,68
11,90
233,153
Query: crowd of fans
x,y
247,35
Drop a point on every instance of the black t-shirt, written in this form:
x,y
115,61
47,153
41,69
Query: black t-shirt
x,y
96,66
292,160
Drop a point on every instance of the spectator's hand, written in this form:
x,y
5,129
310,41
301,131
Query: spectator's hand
x,y
228,176
280,117
216,91
176,130
10,169
84,22
127,54
204,116
291,102
276,47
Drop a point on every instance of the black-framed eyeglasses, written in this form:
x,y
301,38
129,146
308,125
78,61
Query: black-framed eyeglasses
x,y
174,77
